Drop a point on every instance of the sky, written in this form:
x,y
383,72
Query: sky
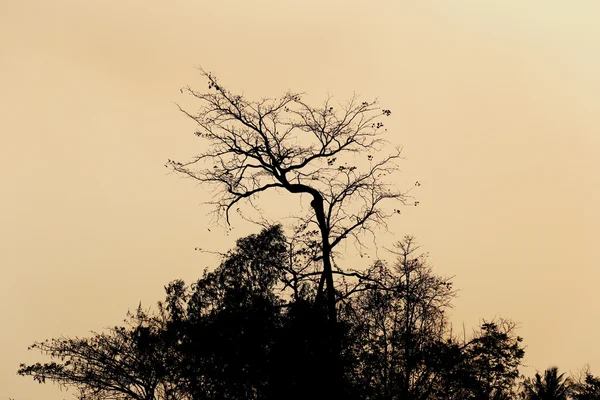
x,y
496,105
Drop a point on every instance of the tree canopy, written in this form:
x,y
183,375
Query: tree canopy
x,y
230,335
239,332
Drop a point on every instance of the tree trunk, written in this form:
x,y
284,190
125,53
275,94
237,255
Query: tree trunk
x,y
334,334
317,204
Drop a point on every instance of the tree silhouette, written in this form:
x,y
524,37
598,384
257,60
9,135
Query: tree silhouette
x,y
129,362
585,386
285,144
552,386
240,336
398,322
491,361
230,335
238,332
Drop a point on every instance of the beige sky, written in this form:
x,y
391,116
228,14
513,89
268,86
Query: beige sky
x,y
496,103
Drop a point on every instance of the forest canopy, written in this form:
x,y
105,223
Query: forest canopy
x,y
249,329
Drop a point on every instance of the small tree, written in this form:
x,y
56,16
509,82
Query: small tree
x,y
492,359
585,386
126,362
550,386
398,320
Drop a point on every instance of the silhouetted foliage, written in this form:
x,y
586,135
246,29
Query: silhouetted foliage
x,y
240,339
493,358
239,332
552,386
397,324
130,362
585,386
227,336
284,144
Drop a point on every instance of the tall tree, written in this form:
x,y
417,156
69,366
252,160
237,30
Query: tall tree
x,y
287,145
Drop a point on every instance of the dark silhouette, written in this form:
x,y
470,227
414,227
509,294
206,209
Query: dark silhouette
x,y
128,362
552,386
250,329
285,144
492,359
230,335
398,322
585,386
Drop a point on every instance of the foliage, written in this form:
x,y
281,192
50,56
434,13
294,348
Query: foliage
x,y
239,332
398,324
585,386
552,386
127,362
493,358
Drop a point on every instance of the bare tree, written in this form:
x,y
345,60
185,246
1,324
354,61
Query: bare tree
x,y
399,324
285,144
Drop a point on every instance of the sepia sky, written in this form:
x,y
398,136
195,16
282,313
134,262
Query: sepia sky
x,y
496,103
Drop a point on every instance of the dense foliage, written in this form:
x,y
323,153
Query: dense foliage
x,y
251,329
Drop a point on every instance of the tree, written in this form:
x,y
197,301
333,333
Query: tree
x,y
230,320
233,334
285,144
398,322
127,362
491,360
585,386
239,333
551,386
209,342
242,336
